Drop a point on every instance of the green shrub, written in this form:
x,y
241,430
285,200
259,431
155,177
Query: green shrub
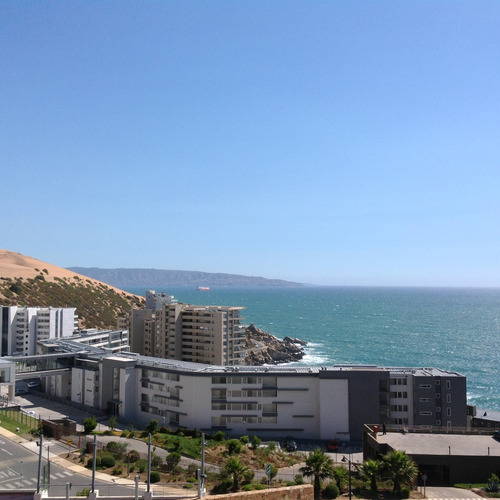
x,y
133,456
405,492
299,479
256,442
90,463
117,471
331,490
188,486
89,424
219,436
259,486
233,446
244,439
141,465
107,461
248,487
223,487
155,476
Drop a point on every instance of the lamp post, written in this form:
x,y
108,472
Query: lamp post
x,y
345,459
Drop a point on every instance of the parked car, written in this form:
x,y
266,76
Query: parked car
x,y
332,445
496,435
290,444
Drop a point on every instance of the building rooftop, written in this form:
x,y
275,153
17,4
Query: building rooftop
x,y
442,444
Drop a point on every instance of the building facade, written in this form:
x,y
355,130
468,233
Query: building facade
x,y
200,334
317,403
22,327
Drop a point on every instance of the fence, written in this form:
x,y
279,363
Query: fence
x,y
19,416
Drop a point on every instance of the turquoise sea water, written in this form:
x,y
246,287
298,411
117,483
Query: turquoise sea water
x,y
454,329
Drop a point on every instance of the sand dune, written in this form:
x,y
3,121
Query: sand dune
x,y
16,265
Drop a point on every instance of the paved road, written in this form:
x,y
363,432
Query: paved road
x,y
19,470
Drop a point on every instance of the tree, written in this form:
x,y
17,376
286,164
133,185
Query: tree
x,y
89,424
173,459
112,422
234,446
341,475
235,470
370,472
400,468
152,427
319,466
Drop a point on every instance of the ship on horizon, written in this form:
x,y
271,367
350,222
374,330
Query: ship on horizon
x,y
203,288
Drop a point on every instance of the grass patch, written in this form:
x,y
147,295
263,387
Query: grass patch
x,y
11,424
468,486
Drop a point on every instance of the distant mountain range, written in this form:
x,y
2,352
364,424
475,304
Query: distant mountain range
x,y
130,278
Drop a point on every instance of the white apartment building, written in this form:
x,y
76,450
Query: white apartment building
x,y
22,327
155,300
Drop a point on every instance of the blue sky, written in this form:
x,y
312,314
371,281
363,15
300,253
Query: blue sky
x,y
327,142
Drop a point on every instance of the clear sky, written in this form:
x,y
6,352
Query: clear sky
x,y
328,142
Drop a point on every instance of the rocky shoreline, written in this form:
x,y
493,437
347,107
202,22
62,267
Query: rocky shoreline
x,y
266,349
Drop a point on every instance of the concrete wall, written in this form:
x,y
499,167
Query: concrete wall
x,y
302,492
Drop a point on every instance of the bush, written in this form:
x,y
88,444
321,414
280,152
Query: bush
x,y
89,424
133,456
223,487
219,436
259,486
118,471
248,487
108,461
331,490
155,476
299,479
125,433
188,486
256,442
117,449
244,439
234,446
405,492
90,463
141,465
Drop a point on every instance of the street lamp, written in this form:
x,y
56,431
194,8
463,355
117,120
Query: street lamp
x,y
345,459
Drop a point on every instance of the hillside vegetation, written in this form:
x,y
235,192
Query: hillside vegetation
x,y
97,304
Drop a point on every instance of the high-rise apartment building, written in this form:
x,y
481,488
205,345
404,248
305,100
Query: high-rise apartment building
x,y
200,334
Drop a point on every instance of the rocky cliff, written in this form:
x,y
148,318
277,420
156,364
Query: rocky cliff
x,y
266,349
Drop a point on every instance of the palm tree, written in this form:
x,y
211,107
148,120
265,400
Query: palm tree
x,y
235,470
401,469
370,472
319,466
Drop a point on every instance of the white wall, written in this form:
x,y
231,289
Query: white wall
x,y
333,409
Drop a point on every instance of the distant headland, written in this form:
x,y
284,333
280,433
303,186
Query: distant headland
x,y
130,278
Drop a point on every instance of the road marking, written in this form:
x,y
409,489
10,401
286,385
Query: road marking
x,y
5,451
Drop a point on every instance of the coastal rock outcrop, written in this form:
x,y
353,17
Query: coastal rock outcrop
x,y
266,349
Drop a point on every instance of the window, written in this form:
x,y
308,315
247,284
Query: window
x,y
425,386
448,384
425,413
438,382
425,400
448,412
448,398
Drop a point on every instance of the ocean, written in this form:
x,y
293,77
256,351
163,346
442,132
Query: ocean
x,y
450,328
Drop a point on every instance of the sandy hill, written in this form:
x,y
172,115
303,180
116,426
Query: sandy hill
x,y
28,281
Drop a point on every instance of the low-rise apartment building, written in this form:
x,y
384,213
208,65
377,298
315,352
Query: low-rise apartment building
x,y
320,403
